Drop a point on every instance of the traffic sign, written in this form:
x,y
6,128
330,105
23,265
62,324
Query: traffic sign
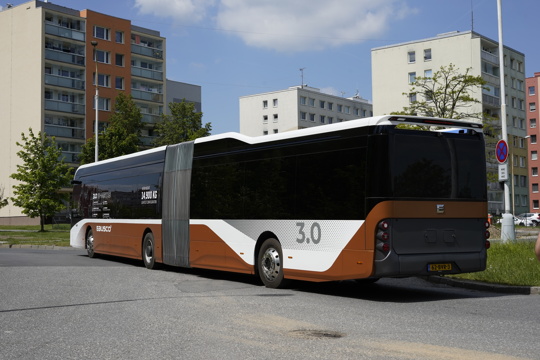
x,y
501,151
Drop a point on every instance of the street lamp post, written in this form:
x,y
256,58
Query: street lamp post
x,y
96,102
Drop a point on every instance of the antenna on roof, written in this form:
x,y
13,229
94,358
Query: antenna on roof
x,y
302,77
472,16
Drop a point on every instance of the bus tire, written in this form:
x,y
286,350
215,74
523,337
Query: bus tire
x,y
90,244
148,251
270,264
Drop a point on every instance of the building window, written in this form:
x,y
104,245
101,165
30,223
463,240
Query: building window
x,y
427,54
311,102
102,33
522,161
340,108
265,104
330,120
532,90
119,37
265,118
104,104
311,117
275,116
411,57
303,100
412,97
303,115
534,155
535,204
532,123
533,139
322,118
347,109
102,56
321,104
119,83
119,60
412,77
275,102
265,132
428,73
532,106
534,171
275,131
103,80
330,106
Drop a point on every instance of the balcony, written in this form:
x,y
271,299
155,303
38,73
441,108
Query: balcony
x,y
146,73
147,51
491,100
72,108
66,82
63,56
492,58
146,95
150,118
67,132
64,32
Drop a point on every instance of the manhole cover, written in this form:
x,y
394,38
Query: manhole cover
x,y
311,334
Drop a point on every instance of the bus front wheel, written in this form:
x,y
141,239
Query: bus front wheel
x,y
270,264
148,248
90,244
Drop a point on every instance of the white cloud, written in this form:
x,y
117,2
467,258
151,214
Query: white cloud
x,y
287,25
185,11
301,25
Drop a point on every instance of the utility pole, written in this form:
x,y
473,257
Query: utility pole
x,y
96,103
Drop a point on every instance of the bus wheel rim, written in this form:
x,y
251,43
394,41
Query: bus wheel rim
x,y
271,264
148,255
90,242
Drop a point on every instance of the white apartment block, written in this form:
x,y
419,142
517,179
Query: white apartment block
x,y
394,67
297,107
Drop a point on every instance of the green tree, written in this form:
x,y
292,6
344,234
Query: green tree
x,y
447,94
184,124
121,137
3,200
42,175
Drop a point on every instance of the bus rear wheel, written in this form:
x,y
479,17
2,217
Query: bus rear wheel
x,y
148,253
90,244
270,264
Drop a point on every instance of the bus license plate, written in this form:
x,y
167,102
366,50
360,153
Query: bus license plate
x,y
440,267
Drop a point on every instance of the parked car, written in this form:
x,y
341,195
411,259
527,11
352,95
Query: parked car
x,y
527,219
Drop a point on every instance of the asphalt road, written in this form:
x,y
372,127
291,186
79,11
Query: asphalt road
x,y
60,304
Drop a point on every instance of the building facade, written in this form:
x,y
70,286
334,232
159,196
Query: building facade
x,y
48,63
395,67
532,86
297,107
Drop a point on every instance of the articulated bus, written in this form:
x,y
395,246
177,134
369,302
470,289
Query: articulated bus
x,y
362,199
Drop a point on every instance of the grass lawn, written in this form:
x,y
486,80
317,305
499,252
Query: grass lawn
x,y
30,235
510,263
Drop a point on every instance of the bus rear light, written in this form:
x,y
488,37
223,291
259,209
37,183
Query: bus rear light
x,y
383,247
487,224
384,225
487,234
488,244
383,235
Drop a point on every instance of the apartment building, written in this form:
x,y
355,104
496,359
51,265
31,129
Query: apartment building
x,y
532,85
49,60
297,107
394,67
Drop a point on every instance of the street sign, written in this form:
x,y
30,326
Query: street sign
x,y
501,151
503,172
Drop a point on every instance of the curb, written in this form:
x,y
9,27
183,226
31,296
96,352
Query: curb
x,y
481,286
41,247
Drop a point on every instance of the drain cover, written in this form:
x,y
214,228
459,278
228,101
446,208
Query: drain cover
x,y
311,334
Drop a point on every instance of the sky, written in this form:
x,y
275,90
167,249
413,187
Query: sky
x,y
233,48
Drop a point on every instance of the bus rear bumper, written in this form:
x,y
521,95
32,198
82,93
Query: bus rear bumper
x,y
429,264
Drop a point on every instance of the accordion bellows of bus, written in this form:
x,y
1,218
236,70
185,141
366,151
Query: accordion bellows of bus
x,y
362,199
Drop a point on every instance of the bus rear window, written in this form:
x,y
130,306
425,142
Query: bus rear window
x,y
438,166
